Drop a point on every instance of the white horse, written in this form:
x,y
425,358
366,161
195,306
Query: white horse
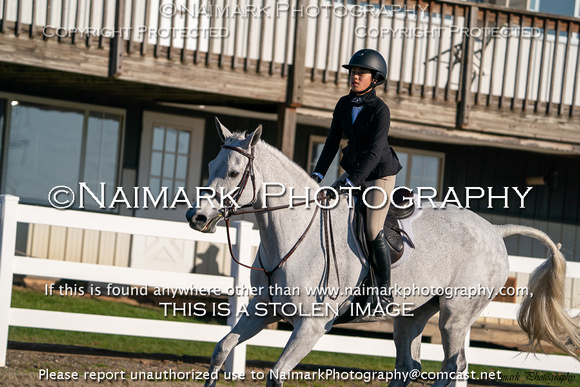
x,y
454,249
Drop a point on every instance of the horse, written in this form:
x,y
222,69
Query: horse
x,y
454,249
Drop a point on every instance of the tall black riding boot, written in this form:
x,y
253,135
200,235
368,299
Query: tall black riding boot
x,y
382,262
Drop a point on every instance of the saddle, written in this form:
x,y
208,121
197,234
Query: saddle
x,y
393,233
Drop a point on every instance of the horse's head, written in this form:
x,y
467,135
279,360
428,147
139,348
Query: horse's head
x,y
231,180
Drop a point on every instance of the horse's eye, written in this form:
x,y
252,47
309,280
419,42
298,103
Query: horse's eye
x,y
233,174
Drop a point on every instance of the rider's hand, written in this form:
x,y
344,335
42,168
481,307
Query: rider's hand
x,y
336,186
331,194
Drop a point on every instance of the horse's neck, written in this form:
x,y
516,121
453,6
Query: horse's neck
x,y
280,229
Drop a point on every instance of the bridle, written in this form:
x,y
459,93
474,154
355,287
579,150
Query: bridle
x,y
230,209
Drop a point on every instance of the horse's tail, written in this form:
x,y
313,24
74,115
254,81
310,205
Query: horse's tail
x,y
542,314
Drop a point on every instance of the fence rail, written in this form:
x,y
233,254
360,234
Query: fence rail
x,y
472,54
244,240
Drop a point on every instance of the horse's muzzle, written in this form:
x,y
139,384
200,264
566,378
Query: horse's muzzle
x,y
200,222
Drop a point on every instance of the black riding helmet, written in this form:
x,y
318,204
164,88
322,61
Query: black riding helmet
x,y
371,60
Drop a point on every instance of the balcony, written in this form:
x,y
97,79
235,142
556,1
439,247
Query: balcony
x,y
458,71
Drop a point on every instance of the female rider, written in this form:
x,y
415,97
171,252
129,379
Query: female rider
x,y
368,159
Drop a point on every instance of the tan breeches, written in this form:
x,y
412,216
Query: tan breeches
x,y
375,218
375,197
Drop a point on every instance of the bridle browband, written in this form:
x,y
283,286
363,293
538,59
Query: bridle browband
x,y
231,210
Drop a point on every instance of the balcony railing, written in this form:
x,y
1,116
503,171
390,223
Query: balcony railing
x,y
460,52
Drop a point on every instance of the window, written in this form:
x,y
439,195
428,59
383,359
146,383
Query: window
x,y
559,7
50,144
315,149
420,168
169,159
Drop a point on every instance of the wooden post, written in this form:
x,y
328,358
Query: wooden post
x,y
18,22
465,97
236,361
294,87
146,18
32,30
565,70
8,221
286,129
3,24
116,48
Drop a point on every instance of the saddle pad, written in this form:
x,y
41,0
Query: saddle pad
x,y
407,225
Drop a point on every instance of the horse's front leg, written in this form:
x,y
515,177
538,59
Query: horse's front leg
x,y
305,335
247,327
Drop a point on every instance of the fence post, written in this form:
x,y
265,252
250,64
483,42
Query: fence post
x,y
8,221
236,361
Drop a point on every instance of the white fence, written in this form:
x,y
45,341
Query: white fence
x,y
244,239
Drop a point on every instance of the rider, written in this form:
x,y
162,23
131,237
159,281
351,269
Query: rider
x,y
368,159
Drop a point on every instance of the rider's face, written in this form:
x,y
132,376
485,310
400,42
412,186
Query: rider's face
x,y
360,79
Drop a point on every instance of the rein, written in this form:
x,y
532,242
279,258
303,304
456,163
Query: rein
x,y
230,211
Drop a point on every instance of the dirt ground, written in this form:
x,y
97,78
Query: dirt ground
x,y
30,365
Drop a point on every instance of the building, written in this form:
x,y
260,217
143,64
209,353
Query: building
x,y
124,93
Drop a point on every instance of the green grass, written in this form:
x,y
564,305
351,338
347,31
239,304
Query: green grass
x,y
26,298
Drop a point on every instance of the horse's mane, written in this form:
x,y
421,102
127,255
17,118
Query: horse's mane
x,y
290,163
263,145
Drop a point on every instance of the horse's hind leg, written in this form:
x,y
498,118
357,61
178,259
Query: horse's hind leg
x,y
407,332
306,333
456,317
247,327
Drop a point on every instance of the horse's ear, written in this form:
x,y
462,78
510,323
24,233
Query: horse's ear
x,y
223,132
252,139
256,134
